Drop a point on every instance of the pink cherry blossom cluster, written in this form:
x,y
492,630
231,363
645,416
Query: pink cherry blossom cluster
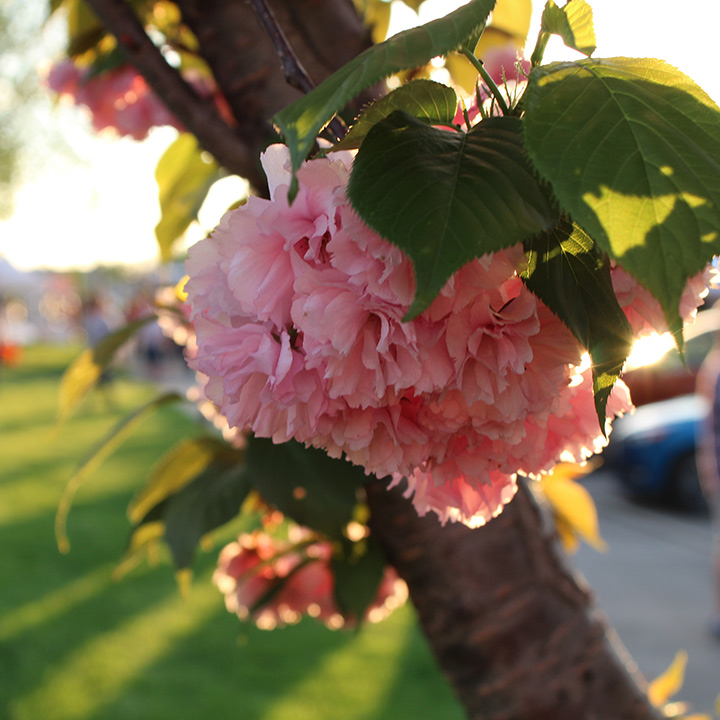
x,y
275,583
119,99
298,315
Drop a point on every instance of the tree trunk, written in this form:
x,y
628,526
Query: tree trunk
x,y
512,630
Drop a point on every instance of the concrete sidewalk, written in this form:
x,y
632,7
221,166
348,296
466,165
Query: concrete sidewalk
x,y
654,585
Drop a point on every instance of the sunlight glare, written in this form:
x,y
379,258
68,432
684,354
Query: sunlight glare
x,y
649,349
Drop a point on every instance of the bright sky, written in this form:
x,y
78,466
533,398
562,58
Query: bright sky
x,y
104,209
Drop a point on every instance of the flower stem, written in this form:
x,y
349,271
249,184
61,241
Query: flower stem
x,y
540,46
485,75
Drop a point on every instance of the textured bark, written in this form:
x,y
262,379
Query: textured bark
x,y
512,630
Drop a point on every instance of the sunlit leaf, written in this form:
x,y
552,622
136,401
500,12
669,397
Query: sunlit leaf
x,y
85,30
631,148
200,504
509,23
447,197
572,505
431,102
512,17
357,577
143,542
97,455
302,121
84,372
377,17
305,484
666,685
177,468
184,175
566,271
573,23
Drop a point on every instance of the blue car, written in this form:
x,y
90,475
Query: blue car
x,y
652,452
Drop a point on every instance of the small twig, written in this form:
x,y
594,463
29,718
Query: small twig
x,y
295,73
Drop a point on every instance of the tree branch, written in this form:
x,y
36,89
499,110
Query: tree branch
x,y
512,630
198,115
295,73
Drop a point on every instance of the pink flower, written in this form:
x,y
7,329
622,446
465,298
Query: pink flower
x,y
298,313
644,312
121,99
275,583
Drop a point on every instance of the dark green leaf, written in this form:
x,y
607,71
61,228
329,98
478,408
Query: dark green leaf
x,y
447,197
106,62
573,23
302,121
357,577
178,467
568,273
632,150
203,500
84,372
431,102
184,176
97,456
212,499
305,484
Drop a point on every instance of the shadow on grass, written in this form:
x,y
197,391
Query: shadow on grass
x,y
303,672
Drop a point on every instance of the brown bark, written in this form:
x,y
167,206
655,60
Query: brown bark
x,y
512,630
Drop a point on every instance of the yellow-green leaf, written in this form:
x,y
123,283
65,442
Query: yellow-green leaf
x,y
512,17
666,685
573,23
96,457
184,176
84,372
573,506
176,469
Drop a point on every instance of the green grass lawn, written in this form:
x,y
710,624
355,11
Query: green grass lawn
x,y
75,644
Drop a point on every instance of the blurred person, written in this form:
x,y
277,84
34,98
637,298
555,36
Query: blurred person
x,y
708,461
96,327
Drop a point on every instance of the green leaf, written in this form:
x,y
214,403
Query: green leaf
x,y
178,467
573,23
205,500
97,455
212,499
631,148
431,102
447,197
305,484
84,28
84,372
184,176
357,577
304,119
568,273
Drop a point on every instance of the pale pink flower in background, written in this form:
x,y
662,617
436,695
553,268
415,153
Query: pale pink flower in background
x,y
298,313
644,312
275,583
120,99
